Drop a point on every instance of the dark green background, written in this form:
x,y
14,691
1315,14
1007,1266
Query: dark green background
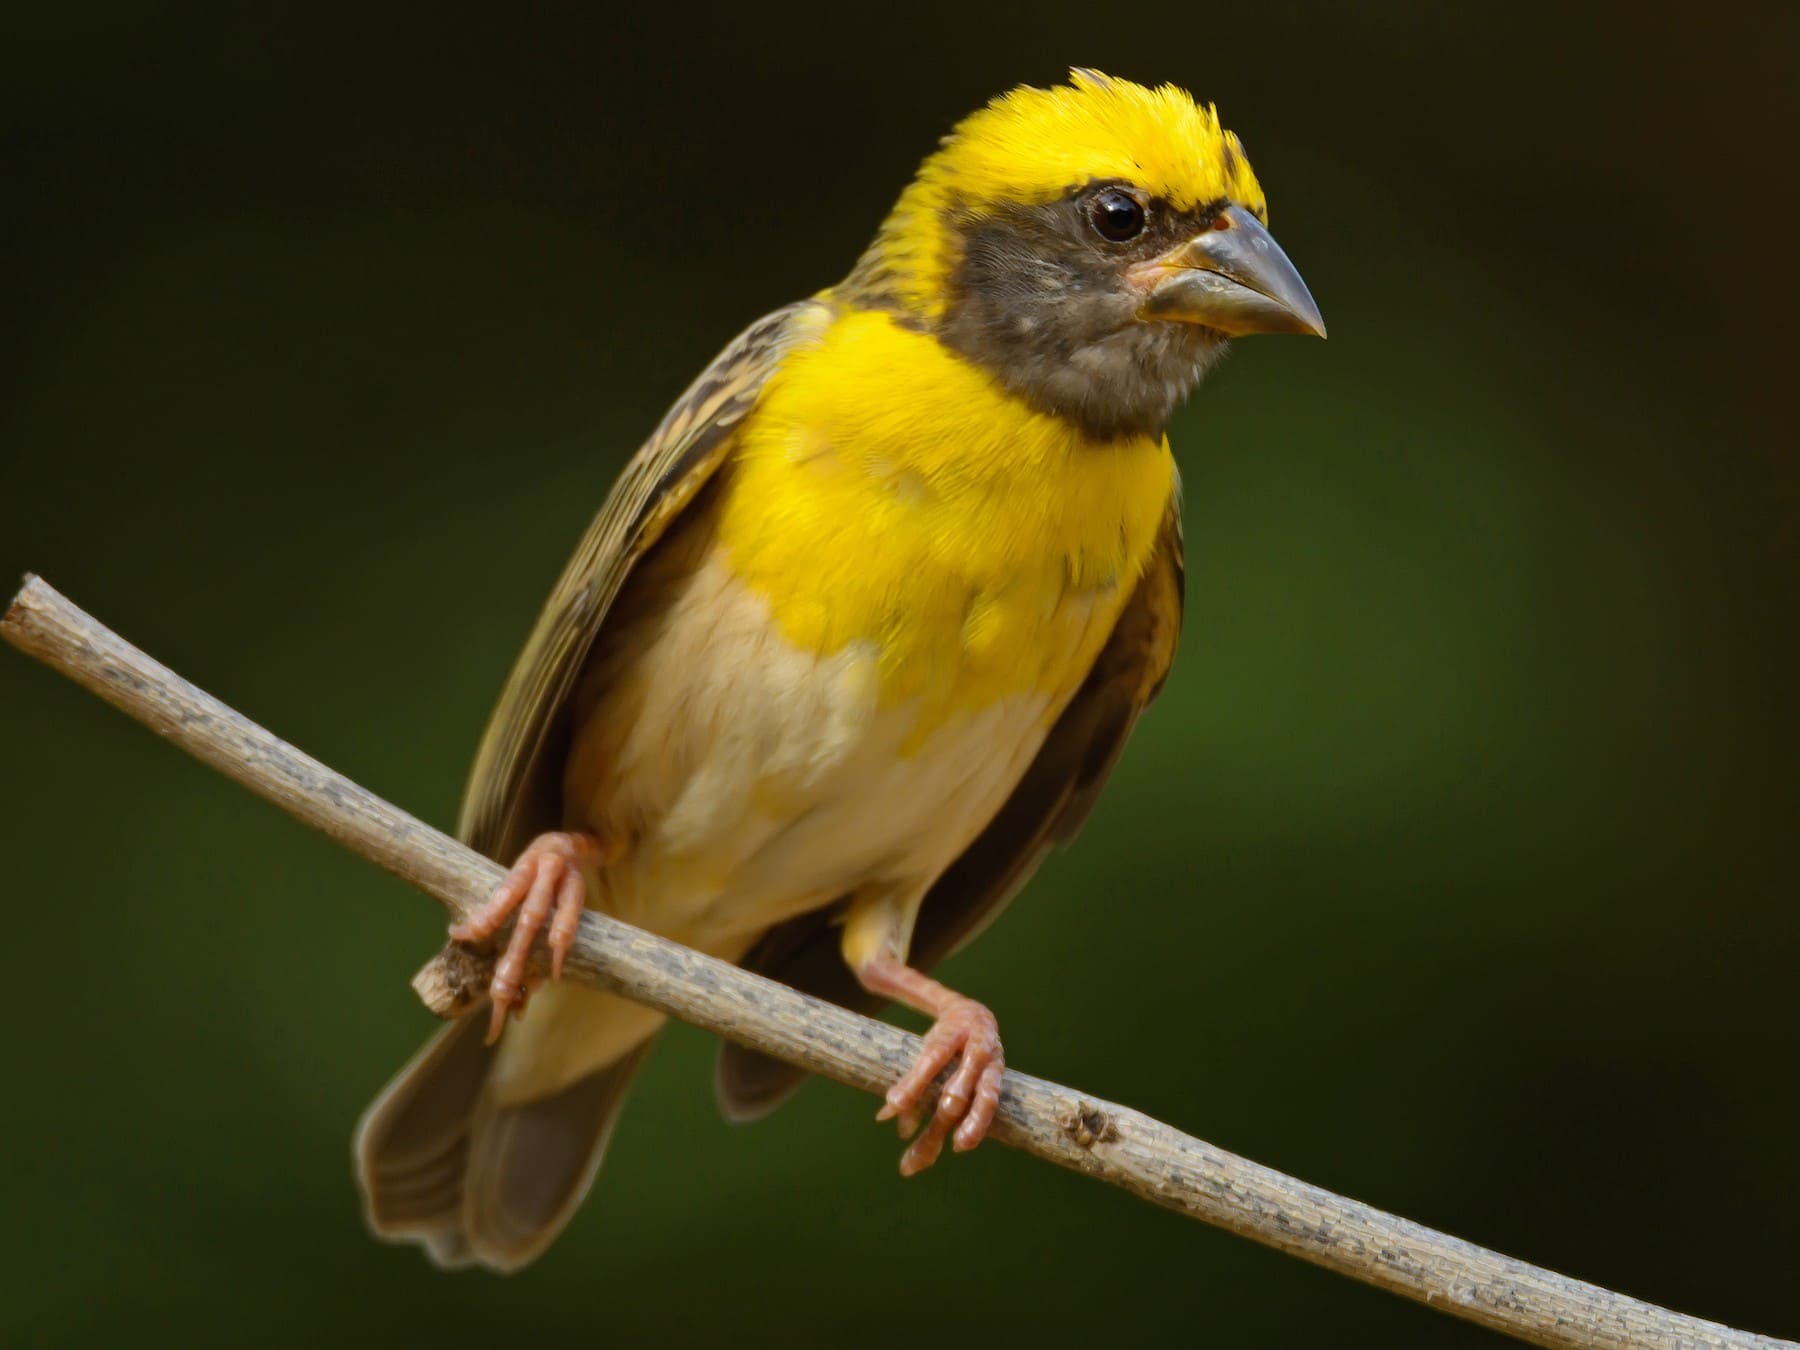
x,y
1455,870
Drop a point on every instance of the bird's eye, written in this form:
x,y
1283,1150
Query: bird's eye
x,y
1116,215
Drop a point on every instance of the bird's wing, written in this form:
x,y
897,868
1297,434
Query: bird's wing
x,y
514,787
1048,807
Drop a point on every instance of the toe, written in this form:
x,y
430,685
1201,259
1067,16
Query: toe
x,y
908,1094
975,1125
571,899
507,989
959,1092
484,922
924,1150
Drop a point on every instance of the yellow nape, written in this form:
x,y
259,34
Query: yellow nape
x,y
889,494
1031,146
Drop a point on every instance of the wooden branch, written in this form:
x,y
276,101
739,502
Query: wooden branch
x,y
1118,1145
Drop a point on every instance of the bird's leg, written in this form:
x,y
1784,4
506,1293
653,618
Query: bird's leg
x,y
547,883
964,1031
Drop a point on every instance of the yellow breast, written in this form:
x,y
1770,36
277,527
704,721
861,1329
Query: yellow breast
x,y
889,493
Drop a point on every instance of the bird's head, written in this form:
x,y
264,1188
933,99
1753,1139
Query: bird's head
x,y
1092,246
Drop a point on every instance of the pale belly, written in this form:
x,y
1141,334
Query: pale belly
x,y
749,781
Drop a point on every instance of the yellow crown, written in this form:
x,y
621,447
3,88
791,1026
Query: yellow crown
x,y
1031,146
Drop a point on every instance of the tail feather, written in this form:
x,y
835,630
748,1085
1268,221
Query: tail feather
x,y
443,1163
531,1163
413,1143
428,1196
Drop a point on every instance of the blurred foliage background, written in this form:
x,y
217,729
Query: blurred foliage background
x,y
1454,871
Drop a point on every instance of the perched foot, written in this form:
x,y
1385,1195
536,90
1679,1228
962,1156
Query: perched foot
x,y
545,885
965,1033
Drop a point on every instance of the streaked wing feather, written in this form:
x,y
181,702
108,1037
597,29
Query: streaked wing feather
x,y
1048,807
514,786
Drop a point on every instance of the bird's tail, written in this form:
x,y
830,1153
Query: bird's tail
x,y
481,1153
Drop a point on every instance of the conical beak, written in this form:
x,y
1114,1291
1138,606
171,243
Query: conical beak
x,y
1232,277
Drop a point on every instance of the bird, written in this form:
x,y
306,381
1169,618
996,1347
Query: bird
x,y
856,637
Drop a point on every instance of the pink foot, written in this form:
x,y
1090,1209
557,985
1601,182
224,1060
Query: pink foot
x,y
545,885
966,1032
